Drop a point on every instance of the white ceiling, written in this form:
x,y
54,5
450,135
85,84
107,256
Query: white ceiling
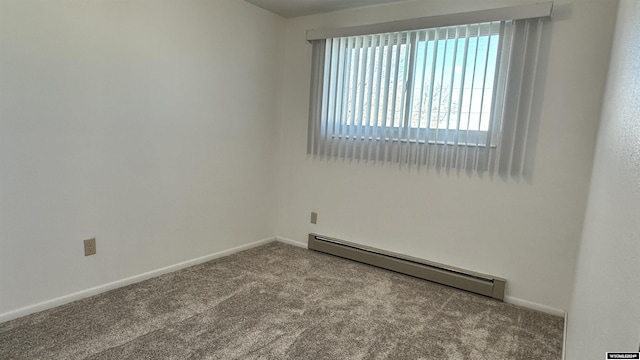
x,y
293,8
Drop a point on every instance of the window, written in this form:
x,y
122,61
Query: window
x,y
457,97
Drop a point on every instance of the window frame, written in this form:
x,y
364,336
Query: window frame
x,y
372,44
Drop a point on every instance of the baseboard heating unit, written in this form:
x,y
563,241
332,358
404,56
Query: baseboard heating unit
x,y
474,282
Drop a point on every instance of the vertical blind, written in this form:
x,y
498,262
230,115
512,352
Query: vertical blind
x,y
456,97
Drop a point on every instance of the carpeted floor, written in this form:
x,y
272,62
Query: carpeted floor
x,y
282,302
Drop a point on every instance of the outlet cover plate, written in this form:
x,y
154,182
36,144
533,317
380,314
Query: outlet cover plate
x,y
90,247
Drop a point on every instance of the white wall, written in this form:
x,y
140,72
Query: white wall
x,y
605,307
147,124
525,232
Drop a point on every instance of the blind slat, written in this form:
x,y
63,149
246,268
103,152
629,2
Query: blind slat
x,y
423,34
513,102
524,138
461,97
340,56
369,96
494,100
316,61
508,63
325,103
430,99
385,106
449,106
360,101
375,104
529,155
472,91
393,98
408,112
436,148
353,82
476,149
515,168
332,89
342,149
405,102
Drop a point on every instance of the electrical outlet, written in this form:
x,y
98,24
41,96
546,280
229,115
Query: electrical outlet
x,y
90,247
314,217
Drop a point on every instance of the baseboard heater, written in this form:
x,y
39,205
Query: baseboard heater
x,y
482,284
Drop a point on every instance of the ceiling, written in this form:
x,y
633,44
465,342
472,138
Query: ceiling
x,y
293,8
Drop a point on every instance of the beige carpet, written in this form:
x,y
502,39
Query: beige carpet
x,y
282,302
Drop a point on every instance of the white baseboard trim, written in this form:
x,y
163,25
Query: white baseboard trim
x,y
534,306
14,314
291,242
